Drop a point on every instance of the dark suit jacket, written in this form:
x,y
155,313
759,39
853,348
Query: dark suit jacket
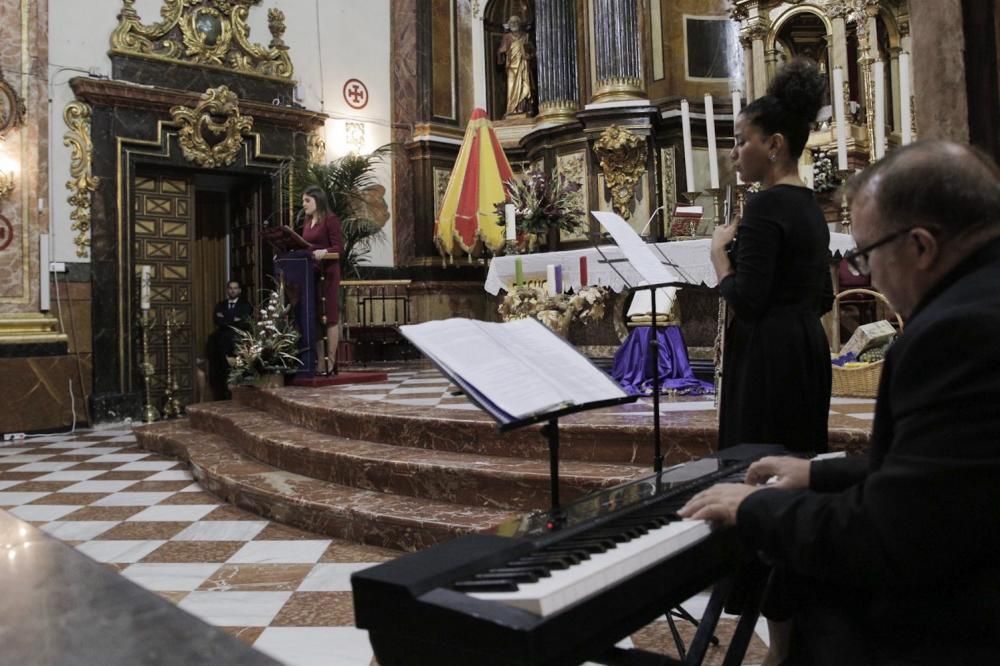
x,y
240,317
899,555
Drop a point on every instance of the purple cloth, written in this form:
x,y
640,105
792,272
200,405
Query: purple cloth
x,y
633,366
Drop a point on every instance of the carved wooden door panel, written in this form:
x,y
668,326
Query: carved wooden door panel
x,y
162,235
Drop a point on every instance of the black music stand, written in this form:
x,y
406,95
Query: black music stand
x,y
485,398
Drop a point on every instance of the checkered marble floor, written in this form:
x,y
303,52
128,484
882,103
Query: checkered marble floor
x,y
427,387
283,590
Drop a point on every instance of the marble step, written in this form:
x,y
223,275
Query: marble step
x,y
363,516
461,478
601,436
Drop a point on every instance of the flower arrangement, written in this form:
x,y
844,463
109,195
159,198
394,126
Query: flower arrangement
x,y
824,175
555,312
542,202
270,346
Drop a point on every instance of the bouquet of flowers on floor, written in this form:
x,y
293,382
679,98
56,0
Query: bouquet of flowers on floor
x,y
555,312
270,346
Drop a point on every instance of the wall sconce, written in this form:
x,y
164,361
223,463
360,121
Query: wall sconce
x,y
8,175
354,134
6,184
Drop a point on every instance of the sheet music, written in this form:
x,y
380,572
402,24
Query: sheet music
x,y
520,366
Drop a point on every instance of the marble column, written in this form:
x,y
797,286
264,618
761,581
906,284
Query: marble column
x,y
757,31
555,43
617,51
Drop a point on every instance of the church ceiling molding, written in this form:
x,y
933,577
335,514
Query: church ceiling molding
x,y
82,183
623,161
205,33
216,115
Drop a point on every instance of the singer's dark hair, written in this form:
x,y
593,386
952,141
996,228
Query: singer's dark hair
x,y
793,99
319,196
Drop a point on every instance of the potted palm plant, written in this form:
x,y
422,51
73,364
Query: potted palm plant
x,y
355,196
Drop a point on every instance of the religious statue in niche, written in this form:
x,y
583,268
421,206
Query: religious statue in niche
x,y
516,54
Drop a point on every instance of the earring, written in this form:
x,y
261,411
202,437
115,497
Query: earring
x,y
772,157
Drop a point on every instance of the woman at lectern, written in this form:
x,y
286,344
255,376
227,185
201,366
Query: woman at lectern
x,y
773,270
322,230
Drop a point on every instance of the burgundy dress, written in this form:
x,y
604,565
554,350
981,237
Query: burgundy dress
x,y
327,235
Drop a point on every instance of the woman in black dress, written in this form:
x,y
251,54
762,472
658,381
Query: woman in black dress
x,y
775,278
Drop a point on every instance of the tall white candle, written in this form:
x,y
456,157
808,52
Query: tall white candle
x,y
878,71
509,228
145,288
737,107
713,150
688,150
840,118
905,112
550,279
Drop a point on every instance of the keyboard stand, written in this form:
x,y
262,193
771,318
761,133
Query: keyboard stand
x,y
704,635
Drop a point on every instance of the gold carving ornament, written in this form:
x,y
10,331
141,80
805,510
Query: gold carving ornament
x,y
81,183
211,33
623,161
217,114
316,148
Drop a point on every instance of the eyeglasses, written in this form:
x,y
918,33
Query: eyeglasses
x,y
857,259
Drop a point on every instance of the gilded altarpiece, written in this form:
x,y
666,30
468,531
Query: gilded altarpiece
x,y
163,233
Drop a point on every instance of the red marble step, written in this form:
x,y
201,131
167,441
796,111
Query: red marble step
x,y
364,516
461,478
603,435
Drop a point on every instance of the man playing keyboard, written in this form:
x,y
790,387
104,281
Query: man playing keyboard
x,y
894,558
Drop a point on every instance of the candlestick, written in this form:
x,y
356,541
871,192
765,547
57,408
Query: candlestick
x,y
171,405
845,209
878,72
840,117
145,287
688,150
713,149
146,322
583,272
904,98
737,107
509,229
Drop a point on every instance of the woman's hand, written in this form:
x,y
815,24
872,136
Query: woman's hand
x,y
319,254
721,238
724,235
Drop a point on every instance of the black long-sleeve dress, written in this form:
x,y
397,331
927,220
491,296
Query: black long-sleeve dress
x,y
776,364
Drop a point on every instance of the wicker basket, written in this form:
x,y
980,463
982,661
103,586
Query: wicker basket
x,y
859,382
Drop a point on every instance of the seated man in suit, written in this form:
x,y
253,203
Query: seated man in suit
x,y
234,311
892,559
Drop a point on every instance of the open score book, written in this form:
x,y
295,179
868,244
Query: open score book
x,y
513,370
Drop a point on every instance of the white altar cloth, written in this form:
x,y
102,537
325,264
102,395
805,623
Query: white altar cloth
x,y
689,256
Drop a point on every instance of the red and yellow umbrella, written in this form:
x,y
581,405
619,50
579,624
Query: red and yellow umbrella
x,y
468,211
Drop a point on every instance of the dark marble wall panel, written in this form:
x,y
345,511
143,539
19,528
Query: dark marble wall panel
x,y
37,393
198,79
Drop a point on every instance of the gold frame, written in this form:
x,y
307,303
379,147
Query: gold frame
x,y
12,108
233,49
82,183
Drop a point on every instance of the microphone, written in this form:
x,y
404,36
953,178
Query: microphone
x,y
650,221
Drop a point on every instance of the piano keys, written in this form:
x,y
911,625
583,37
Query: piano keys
x,y
544,591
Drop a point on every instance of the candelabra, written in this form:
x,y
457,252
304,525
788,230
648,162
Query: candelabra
x,y
171,404
861,12
146,322
845,209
